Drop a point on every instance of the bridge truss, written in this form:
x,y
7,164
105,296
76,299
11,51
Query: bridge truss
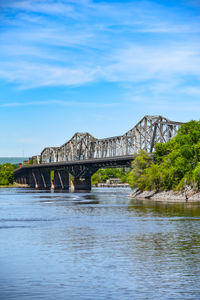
x,y
144,135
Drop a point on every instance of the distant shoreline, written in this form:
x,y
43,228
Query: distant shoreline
x,y
112,185
126,185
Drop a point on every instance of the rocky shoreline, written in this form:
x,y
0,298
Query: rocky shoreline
x,y
167,196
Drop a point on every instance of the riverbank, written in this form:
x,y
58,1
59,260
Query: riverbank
x,y
14,185
168,196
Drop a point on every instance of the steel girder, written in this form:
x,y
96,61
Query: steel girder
x,y
144,135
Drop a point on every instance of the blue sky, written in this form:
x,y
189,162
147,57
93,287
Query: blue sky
x,y
95,66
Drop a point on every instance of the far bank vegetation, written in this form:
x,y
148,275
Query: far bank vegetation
x,y
102,175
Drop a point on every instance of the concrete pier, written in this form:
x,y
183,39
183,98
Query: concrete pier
x,y
81,184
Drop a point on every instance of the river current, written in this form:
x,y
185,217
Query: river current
x,y
97,245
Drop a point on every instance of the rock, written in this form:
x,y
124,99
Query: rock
x,y
168,196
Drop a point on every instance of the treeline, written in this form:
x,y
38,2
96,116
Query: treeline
x,y
173,166
6,174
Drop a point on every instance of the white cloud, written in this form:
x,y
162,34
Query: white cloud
x,y
100,45
48,7
136,64
33,75
150,62
191,90
59,103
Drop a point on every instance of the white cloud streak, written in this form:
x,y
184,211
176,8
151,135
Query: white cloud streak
x,y
136,64
90,42
59,103
144,63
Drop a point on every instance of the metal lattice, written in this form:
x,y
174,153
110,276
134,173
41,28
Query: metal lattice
x,y
144,135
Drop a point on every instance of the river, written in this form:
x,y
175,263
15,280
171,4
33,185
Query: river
x,y
97,245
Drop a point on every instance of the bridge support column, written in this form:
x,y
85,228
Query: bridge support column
x,y
81,184
16,178
39,184
46,178
31,180
21,179
61,179
24,179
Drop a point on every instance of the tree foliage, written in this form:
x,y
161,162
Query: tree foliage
x,y
6,174
176,163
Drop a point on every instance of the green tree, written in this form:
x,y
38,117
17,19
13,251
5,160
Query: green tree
x,y
6,174
176,163
138,177
155,178
196,175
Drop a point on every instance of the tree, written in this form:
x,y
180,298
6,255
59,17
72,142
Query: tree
x,y
196,174
6,174
176,163
138,178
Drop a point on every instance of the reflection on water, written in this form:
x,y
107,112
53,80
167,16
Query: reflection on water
x,y
166,209
98,245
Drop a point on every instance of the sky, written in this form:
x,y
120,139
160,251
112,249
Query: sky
x,y
94,66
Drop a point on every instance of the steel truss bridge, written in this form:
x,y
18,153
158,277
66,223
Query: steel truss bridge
x,y
84,154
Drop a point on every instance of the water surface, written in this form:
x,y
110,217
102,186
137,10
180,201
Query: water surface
x,y
98,245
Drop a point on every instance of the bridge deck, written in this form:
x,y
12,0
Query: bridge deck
x,y
118,160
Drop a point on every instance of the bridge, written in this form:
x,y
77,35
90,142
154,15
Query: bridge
x,y
84,154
